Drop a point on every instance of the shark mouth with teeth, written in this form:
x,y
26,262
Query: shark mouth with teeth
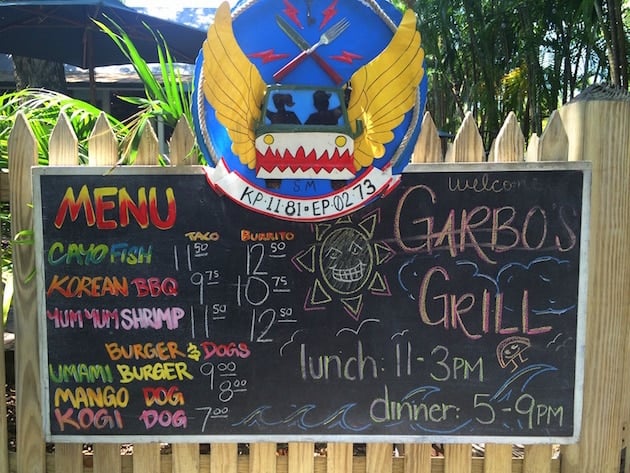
x,y
317,155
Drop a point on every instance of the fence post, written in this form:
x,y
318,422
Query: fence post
x,y
467,148
63,151
181,153
4,433
146,456
103,151
597,125
31,452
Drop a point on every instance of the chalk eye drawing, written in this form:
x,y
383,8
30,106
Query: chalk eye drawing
x,y
510,352
345,262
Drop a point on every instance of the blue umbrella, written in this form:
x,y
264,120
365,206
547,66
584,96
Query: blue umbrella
x,y
64,31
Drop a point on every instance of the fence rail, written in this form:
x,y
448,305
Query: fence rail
x,y
599,450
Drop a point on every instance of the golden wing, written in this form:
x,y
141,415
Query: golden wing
x,y
384,90
232,85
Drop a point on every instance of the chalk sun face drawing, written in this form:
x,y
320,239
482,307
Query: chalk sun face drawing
x,y
344,262
298,115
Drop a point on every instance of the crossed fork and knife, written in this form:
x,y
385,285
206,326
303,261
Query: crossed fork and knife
x,y
327,37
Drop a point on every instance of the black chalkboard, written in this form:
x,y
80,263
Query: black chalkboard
x,y
451,309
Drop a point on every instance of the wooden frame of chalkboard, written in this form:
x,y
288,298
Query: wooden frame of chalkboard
x,y
450,310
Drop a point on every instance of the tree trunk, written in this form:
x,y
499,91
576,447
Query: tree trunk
x,y
618,39
31,72
611,25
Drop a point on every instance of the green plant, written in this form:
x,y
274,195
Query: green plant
x,y
167,98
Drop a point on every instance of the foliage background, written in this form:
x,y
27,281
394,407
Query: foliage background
x,y
491,57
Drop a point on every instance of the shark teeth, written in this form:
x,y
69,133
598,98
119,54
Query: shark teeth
x,y
290,173
305,155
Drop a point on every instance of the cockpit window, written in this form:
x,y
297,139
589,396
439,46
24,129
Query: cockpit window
x,y
304,107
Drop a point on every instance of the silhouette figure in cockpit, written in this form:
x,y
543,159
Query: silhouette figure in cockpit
x,y
323,116
282,115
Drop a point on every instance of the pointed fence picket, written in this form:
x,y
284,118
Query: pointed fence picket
x,y
300,457
23,155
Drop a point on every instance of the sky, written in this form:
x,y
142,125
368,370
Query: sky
x,y
197,10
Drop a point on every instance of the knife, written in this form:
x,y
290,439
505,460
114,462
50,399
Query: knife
x,y
304,45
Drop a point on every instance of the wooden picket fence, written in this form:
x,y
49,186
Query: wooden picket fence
x,y
593,130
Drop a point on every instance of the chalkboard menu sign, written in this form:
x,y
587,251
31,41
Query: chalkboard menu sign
x,y
451,309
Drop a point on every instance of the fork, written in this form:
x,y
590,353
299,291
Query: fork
x,y
327,37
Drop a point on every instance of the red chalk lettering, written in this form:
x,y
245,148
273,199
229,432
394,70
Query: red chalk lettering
x,y
484,230
469,312
110,207
162,396
227,350
154,287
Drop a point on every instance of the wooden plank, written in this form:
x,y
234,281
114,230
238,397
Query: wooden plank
x,y
457,458
204,463
532,148
30,440
4,185
537,459
185,457
498,458
182,144
102,144
103,151
63,145
378,458
148,148
127,464
428,148
301,456
63,150
107,458
554,142
598,131
4,432
467,145
509,145
418,458
262,457
224,458
146,457
625,409
69,457
244,465
339,457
